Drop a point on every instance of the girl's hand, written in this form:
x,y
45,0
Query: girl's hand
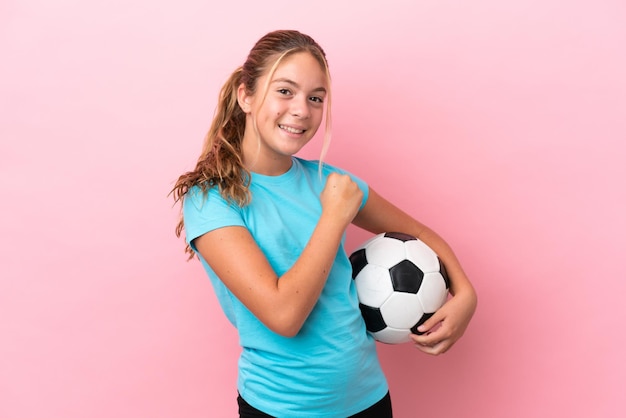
x,y
341,198
447,325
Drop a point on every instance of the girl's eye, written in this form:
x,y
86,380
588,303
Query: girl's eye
x,y
317,99
284,91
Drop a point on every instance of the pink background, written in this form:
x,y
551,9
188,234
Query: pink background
x,y
502,125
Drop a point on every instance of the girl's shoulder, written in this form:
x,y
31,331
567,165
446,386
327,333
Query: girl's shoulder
x,y
199,196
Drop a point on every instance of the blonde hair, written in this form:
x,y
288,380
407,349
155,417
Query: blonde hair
x,y
220,163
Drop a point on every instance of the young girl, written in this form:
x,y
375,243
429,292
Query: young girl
x,y
269,229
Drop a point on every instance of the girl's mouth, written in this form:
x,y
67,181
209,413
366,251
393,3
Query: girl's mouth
x,y
291,130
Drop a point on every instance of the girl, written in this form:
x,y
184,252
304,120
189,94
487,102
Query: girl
x,y
269,229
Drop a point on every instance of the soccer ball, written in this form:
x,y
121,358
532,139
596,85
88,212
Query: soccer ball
x,y
400,283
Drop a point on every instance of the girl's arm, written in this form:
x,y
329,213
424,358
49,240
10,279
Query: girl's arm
x,y
283,305
448,324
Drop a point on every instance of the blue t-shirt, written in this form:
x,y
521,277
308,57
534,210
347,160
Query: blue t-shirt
x,y
330,368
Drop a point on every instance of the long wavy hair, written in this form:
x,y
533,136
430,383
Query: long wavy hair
x,y
221,161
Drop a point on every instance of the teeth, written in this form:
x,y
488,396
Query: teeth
x,y
291,130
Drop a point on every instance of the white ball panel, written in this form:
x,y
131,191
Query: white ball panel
x,y
433,292
401,310
366,243
392,335
385,252
373,285
422,256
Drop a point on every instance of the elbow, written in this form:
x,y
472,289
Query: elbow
x,y
288,332
285,326
285,317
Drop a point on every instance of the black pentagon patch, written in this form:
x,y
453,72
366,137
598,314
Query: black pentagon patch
x,y
358,261
406,277
423,319
374,321
444,273
400,236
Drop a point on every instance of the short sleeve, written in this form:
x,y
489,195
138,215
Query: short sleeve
x,y
363,186
203,213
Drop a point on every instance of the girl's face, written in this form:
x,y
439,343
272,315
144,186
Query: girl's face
x,y
287,117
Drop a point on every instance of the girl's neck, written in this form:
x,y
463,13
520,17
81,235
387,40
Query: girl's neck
x,y
257,161
268,168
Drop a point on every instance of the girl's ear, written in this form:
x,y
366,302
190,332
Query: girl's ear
x,y
243,98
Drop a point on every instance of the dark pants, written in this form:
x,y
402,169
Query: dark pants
x,y
381,409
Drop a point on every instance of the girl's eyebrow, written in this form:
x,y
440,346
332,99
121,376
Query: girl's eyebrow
x,y
296,85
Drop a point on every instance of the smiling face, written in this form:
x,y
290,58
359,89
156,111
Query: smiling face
x,y
283,117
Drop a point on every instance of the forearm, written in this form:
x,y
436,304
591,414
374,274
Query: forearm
x,y
281,303
459,283
299,288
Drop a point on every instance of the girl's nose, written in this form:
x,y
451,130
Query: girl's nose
x,y
300,108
